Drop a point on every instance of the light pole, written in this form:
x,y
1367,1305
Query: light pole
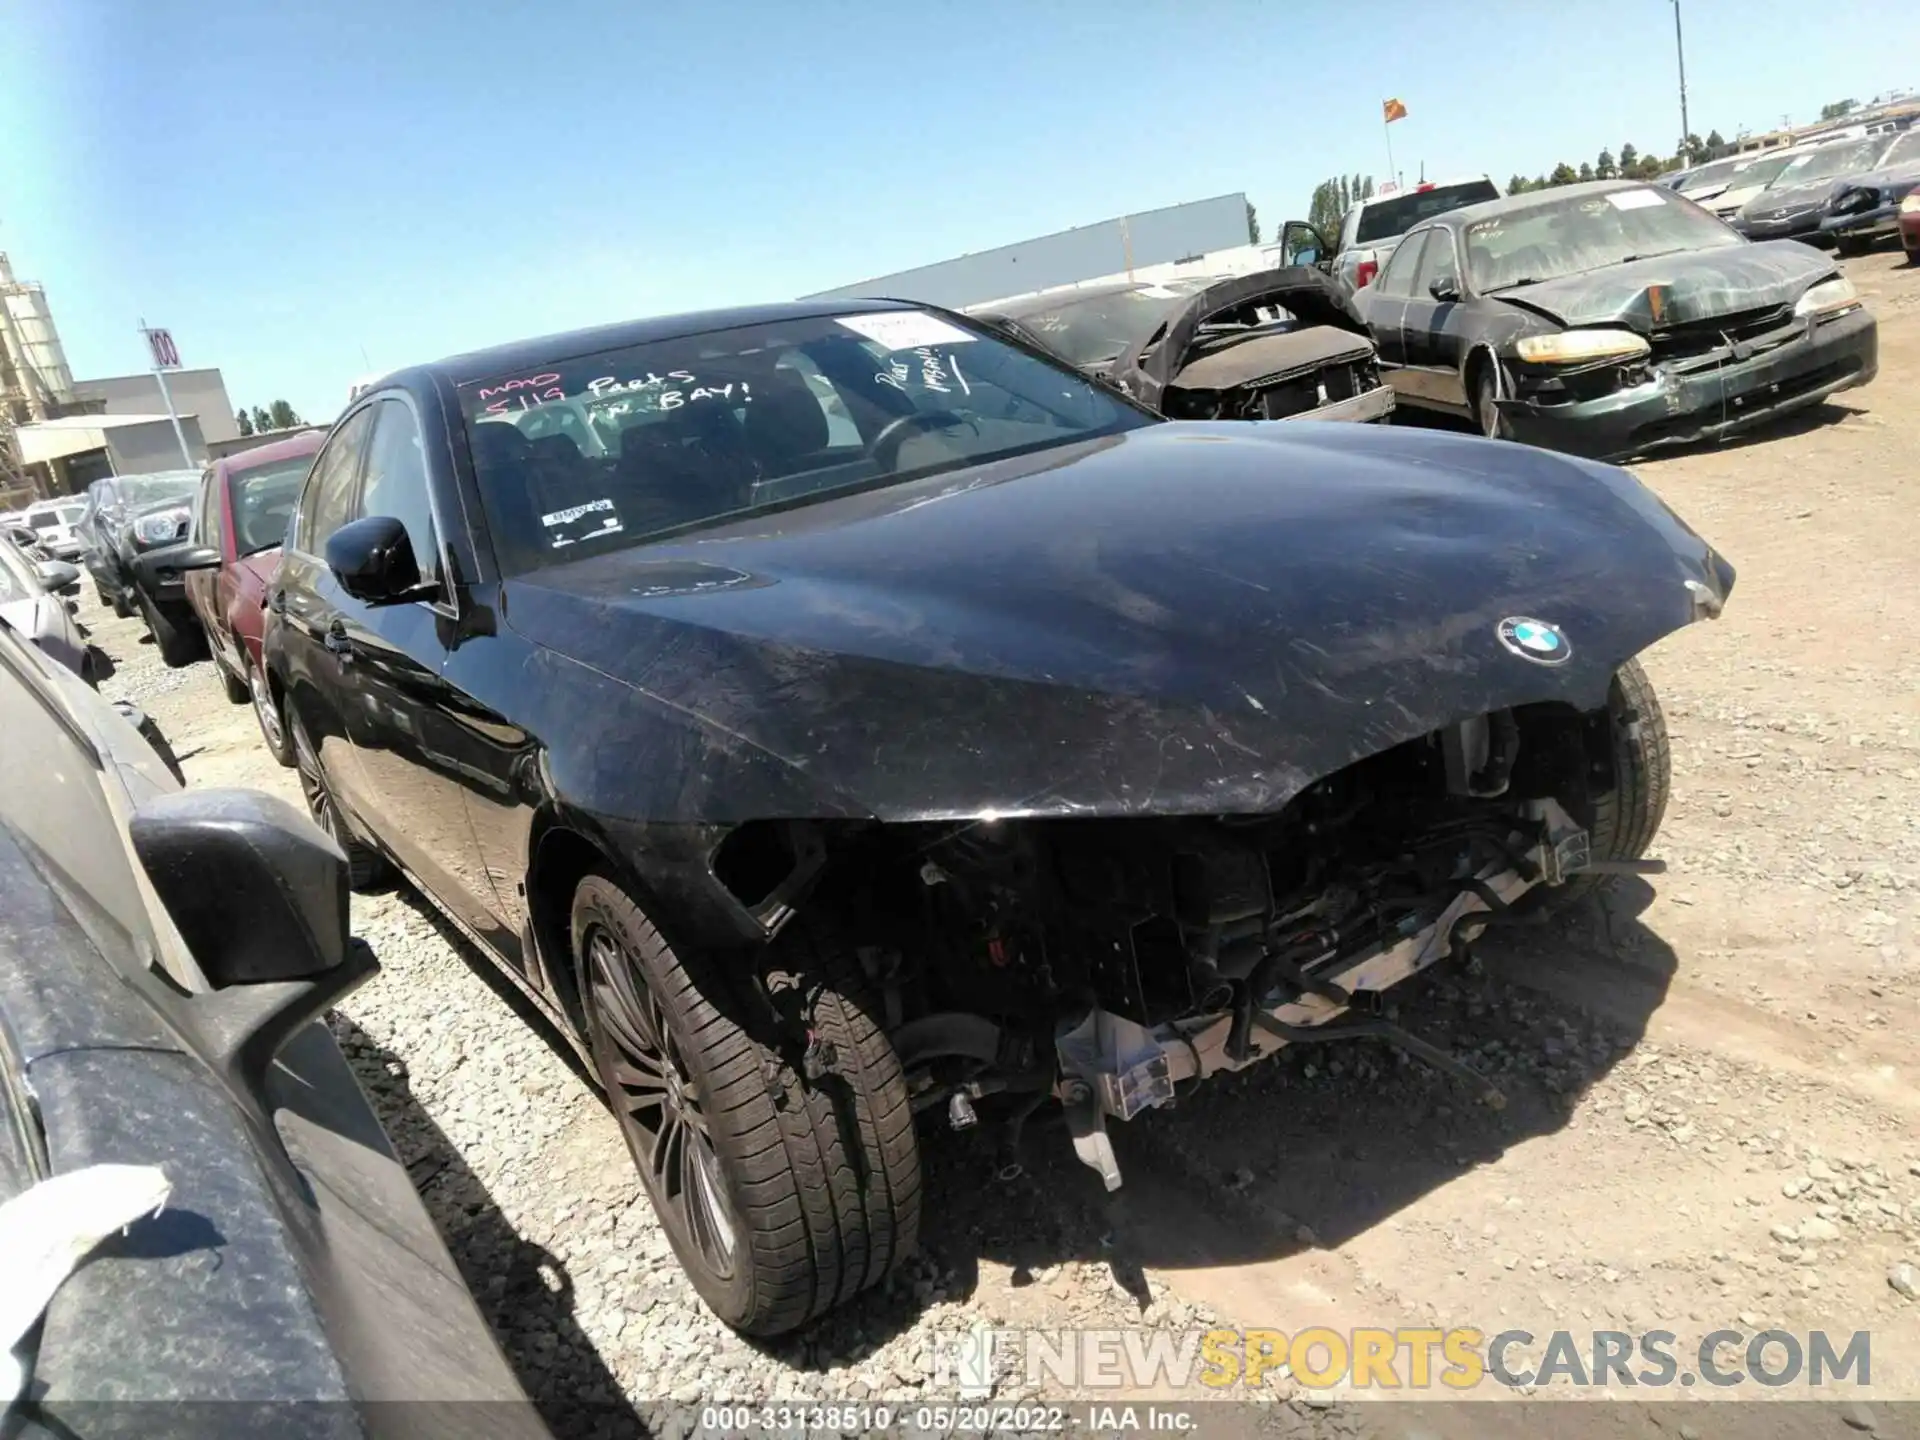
x,y
1680,50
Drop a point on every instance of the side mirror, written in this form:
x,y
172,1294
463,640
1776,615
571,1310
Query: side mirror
x,y
374,560
259,894
1444,288
196,557
24,536
58,576
1302,244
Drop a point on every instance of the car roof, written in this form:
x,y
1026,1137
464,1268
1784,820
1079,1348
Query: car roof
x,y
1532,199
293,446
548,349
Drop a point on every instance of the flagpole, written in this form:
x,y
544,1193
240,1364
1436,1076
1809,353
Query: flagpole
x,y
1393,176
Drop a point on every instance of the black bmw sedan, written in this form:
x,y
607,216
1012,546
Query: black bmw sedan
x,y
1611,318
841,714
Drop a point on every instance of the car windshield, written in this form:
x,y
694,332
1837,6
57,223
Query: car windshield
x,y
596,452
1829,161
1904,151
1590,232
138,490
1720,172
1093,329
1384,219
263,499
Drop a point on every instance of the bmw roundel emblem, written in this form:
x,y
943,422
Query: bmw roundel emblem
x,y
1534,640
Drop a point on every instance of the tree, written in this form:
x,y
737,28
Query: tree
x,y
1629,159
1716,143
1604,168
1563,174
1253,224
1333,198
1693,150
244,421
1838,108
282,416
262,422
1518,185
1586,171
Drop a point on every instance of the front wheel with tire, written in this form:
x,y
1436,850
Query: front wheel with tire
x,y
1622,821
1486,390
782,1195
367,868
266,710
179,640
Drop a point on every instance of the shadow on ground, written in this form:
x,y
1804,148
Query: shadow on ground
x,y
523,1290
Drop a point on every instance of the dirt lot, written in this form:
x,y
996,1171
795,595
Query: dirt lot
x,y
1713,1120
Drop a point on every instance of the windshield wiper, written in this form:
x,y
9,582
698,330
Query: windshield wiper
x,y
1650,255
1513,284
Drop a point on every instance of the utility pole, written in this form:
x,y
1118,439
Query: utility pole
x,y
1680,50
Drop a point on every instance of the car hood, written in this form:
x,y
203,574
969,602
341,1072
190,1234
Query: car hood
x,y
1198,618
1791,198
1693,285
1897,180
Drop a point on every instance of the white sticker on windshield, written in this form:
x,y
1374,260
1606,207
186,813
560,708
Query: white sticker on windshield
x,y
1634,199
568,530
906,329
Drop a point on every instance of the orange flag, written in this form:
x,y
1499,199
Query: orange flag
x,y
1395,110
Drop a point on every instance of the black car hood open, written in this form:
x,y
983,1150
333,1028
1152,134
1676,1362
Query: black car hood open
x,y
1198,618
1791,199
1695,285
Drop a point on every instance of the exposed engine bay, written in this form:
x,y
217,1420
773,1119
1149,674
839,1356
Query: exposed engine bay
x,y
1103,962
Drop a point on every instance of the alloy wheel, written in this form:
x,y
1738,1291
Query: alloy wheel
x,y
659,1102
267,713
314,786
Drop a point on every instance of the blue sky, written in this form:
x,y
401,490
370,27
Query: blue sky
x,y
289,187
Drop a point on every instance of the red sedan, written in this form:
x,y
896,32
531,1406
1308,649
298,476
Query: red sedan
x,y
244,504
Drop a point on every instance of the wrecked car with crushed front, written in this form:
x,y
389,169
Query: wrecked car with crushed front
x,y
1273,345
822,750
1610,319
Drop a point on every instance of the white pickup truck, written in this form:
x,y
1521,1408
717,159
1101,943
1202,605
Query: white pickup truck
x,y
1371,229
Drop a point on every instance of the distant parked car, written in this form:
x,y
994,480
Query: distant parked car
x,y
1792,207
106,542
1750,180
239,522
54,522
140,542
1370,230
1704,182
1610,318
1865,209
1277,345
33,601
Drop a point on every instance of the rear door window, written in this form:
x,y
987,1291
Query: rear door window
x,y
1397,214
1397,278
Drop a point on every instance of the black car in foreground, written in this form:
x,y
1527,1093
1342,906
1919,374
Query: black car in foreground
x,y
1611,318
135,535
164,958
1273,345
824,747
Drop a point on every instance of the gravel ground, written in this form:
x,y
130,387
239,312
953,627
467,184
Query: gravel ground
x,y
1711,1115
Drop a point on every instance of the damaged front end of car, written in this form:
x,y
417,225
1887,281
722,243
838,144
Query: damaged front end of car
x,y
1109,964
